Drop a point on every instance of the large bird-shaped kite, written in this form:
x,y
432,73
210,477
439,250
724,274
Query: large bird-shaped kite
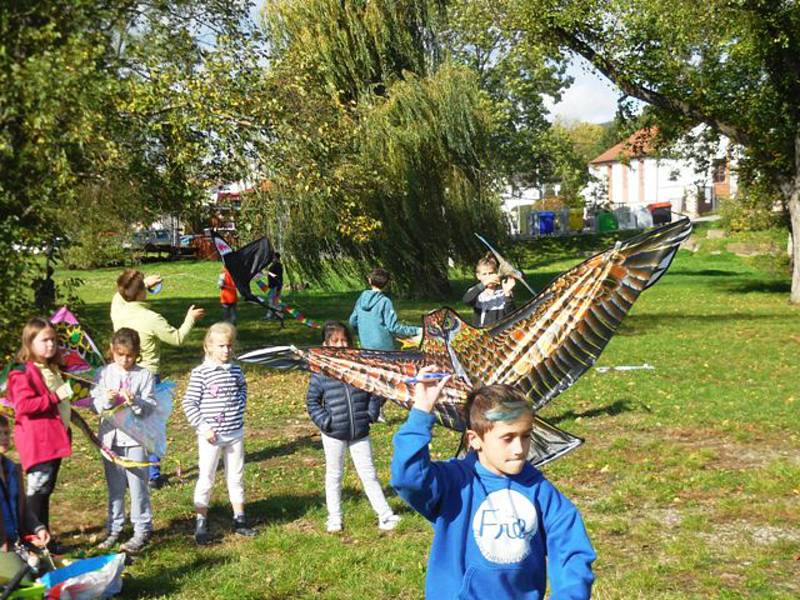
x,y
543,347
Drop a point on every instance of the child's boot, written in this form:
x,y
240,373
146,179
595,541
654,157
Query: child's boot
x,y
240,526
201,535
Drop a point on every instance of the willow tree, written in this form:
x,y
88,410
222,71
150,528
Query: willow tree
x,y
380,141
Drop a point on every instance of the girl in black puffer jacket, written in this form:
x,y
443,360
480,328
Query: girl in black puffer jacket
x,y
343,414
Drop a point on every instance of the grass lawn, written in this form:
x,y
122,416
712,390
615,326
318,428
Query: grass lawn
x,y
689,481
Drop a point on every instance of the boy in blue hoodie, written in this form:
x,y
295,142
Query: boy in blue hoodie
x,y
498,523
374,318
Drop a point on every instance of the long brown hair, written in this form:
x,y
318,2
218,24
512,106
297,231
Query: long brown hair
x,y
130,284
32,328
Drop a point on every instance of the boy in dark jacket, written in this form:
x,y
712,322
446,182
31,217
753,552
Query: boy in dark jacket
x,y
491,298
498,524
343,414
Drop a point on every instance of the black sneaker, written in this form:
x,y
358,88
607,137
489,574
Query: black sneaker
x,y
136,543
240,528
55,548
157,483
201,535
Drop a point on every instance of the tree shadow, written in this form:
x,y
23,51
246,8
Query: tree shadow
x,y
762,287
704,273
610,410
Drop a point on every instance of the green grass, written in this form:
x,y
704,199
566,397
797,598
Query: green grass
x,y
689,481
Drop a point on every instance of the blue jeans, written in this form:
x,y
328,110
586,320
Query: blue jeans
x,y
154,471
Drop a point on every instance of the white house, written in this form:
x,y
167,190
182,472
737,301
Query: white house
x,y
632,175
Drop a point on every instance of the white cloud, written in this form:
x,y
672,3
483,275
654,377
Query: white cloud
x,y
591,97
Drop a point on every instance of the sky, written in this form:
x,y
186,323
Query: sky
x,y
591,98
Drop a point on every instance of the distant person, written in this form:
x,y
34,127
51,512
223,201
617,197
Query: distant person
x,y
44,291
491,298
375,320
214,404
275,281
228,296
374,317
343,414
124,383
498,525
129,310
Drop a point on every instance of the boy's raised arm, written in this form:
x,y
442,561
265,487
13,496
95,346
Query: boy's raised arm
x,y
416,478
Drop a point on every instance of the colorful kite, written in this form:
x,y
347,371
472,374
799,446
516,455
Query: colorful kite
x,y
542,348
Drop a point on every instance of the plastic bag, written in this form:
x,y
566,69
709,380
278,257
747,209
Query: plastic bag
x,y
98,577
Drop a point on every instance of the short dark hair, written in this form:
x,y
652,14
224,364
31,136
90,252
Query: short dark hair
x,y
379,277
127,338
491,403
130,284
331,327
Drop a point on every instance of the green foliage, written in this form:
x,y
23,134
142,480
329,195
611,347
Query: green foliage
x,y
380,142
753,209
150,96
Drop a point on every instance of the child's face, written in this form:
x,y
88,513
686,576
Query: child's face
x,y
5,439
219,349
337,339
503,449
45,344
123,357
487,275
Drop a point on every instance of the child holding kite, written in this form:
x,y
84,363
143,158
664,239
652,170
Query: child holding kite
x,y
41,415
214,405
498,524
491,298
343,415
123,383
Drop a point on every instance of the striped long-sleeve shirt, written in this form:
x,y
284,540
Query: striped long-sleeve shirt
x,y
215,398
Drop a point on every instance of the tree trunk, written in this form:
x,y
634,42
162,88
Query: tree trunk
x,y
794,222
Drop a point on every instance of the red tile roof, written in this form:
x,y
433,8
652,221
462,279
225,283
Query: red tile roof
x,y
639,144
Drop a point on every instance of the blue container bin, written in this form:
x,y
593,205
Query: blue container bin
x,y
547,222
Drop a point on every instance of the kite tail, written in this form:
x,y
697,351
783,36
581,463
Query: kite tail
x,y
289,310
277,357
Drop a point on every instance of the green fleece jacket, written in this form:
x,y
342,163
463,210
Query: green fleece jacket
x,y
151,327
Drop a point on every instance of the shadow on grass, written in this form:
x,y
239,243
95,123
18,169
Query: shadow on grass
x,y
610,410
762,287
704,273
284,449
166,581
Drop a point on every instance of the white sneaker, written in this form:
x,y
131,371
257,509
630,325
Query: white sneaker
x,y
334,527
388,523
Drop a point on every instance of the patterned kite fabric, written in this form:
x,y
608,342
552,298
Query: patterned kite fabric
x,y
289,310
542,348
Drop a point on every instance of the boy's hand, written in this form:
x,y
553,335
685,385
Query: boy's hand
x,y
508,285
490,280
427,391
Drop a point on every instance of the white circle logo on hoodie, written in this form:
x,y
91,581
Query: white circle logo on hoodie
x,y
503,526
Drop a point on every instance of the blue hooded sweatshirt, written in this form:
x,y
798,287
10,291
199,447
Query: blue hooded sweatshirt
x,y
376,322
494,535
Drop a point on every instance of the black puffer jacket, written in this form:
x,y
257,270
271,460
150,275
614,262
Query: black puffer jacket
x,y
340,410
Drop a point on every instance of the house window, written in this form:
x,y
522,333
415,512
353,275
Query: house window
x,y
720,170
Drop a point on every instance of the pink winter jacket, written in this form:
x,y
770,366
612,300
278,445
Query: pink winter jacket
x,y
39,432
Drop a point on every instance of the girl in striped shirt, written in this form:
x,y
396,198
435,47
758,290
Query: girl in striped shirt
x,y
214,405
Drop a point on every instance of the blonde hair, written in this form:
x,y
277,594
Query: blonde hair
x,y
33,327
222,328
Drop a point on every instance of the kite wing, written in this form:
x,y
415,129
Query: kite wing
x,y
546,345
245,263
387,374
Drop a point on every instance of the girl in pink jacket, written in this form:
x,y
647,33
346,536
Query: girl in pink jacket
x,y
41,414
